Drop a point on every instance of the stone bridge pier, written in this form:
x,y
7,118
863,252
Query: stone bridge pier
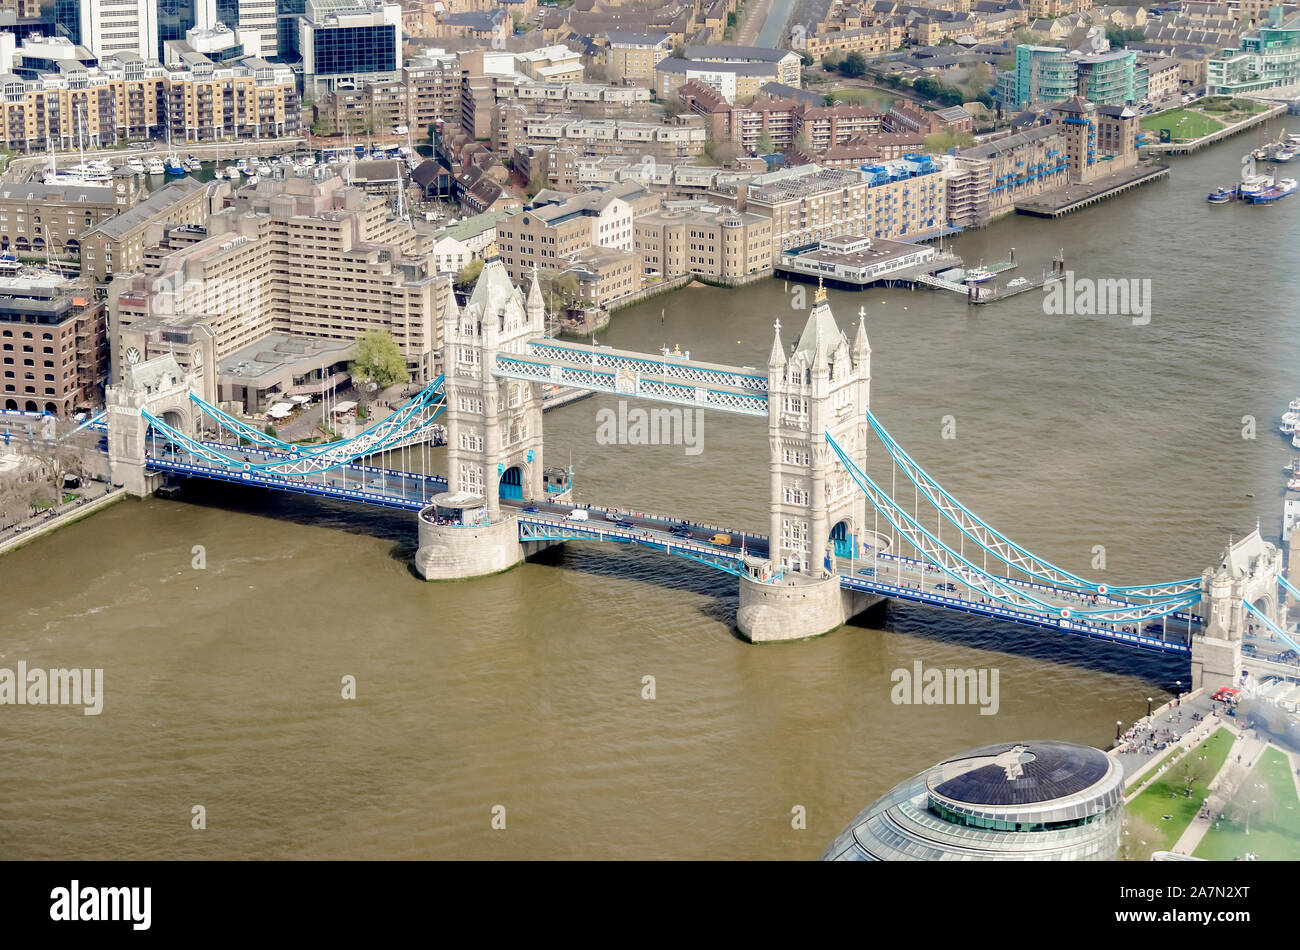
x,y
1247,572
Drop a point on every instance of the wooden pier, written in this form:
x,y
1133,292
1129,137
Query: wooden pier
x,y
1059,201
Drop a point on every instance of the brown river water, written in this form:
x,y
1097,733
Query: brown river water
x,y
524,690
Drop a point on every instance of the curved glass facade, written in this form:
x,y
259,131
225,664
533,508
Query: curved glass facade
x,y
1040,801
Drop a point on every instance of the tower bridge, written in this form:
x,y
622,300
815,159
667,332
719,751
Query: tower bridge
x,y
821,562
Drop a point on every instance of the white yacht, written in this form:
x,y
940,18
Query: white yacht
x,y
1290,422
233,172
154,165
136,165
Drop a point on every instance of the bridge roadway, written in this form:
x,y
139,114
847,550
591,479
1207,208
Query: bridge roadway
x,y
892,576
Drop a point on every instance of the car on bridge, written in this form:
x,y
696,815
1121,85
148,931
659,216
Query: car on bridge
x,y
577,514
529,510
624,522
946,586
867,571
723,539
680,531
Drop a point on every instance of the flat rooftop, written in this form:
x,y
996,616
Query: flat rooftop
x,y
261,363
848,250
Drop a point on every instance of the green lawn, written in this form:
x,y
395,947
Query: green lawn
x,y
881,100
1183,124
1156,802
1274,836
1146,773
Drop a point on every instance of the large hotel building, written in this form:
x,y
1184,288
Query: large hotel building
x,y
273,292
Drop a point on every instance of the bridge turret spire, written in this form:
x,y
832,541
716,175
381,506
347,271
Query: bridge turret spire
x,y
535,308
861,347
777,358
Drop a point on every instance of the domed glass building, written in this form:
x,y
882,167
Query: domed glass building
x,y
1016,801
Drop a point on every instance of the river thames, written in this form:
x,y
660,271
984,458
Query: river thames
x,y
524,690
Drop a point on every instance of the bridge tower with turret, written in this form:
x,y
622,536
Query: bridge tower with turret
x,y
821,387
494,425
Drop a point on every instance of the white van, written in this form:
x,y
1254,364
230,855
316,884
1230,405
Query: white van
x,y
577,514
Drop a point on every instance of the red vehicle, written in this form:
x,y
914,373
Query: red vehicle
x,y
1226,694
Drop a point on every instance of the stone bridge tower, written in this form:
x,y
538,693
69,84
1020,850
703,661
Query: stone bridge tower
x,y
494,426
160,386
822,387
1247,572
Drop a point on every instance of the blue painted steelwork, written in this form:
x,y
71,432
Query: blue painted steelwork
x,y
1274,628
533,528
297,460
297,485
1043,569
976,577
1024,618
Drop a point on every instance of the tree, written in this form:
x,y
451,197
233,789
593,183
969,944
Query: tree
x,y
940,142
854,65
1191,770
324,124
379,359
535,184
978,80
1253,801
673,106
469,273
764,146
558,289
16,497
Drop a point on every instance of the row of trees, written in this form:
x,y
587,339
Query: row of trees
x,y
23,495
560,289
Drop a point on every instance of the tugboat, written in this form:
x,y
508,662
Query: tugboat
x,y
173,165
1219,196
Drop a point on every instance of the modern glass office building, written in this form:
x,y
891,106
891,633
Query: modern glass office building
x,y
1038,800
344,42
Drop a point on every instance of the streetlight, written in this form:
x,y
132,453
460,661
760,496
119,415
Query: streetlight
x,y
1148,705
1119,724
